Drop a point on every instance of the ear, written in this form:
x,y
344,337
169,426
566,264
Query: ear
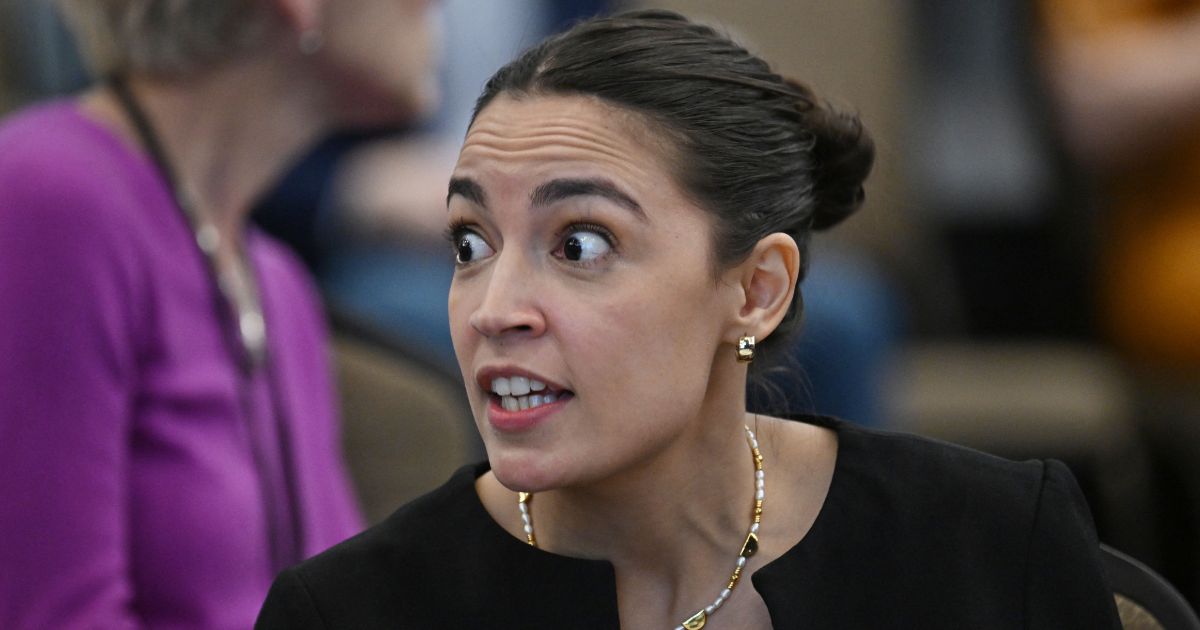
x,y
767,281
302,16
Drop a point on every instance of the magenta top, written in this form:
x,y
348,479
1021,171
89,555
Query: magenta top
x,y
132,493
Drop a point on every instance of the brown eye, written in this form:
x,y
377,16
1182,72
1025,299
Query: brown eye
x,y
573,248
470,247
585,246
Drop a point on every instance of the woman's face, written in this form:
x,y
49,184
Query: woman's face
x,y
384,56
584,279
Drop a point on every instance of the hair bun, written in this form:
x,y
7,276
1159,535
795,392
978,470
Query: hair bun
x,y
843,153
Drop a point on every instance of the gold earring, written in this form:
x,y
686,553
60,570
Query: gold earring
x,y
745,349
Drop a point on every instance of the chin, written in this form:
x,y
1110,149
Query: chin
x,y
522,470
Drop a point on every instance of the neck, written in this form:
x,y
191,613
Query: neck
x,y
228,133
679,518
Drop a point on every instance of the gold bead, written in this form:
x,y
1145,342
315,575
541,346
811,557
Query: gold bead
x,y
733,579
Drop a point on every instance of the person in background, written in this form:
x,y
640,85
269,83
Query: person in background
x,y
168,436
629,215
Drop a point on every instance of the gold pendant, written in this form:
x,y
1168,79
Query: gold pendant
x,y
696,621
750,547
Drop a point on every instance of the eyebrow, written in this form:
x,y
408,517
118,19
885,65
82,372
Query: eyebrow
x,y
468,189
550,192
558,189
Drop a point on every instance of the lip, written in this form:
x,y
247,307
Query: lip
x,y
522,419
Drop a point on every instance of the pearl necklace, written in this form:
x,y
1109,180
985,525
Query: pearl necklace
x,y
749,547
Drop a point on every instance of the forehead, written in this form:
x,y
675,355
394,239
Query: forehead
x,y
537,134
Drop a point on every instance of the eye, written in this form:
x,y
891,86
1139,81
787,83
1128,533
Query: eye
x,y
585,244
470,247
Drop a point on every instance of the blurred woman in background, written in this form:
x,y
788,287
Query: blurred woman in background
x,y
630,215
168,437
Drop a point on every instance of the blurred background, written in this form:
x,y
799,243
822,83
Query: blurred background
x,y
1024,278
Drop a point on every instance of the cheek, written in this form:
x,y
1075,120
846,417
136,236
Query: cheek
x,y
459,306
652,344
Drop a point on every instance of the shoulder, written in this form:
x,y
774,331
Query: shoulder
x,y
55,142
293,307
441,561
928,470
416,532
372,577
73,202
273,256
929,494
63,176
281,270
27,129
945,533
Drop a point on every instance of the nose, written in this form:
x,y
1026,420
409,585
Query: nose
x,y
510,304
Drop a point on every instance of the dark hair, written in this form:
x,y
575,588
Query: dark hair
x,y
758,151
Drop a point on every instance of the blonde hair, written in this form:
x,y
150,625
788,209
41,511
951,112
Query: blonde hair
x,y
166,37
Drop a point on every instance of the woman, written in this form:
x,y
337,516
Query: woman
x,y
168,437
629,214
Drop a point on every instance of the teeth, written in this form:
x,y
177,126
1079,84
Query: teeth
x,y
515,392
516,385
520,403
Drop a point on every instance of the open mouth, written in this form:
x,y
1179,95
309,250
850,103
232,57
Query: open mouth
x,y
518,393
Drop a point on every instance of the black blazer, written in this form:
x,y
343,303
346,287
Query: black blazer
x,y
913,534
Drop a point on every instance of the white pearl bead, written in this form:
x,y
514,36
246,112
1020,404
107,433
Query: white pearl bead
x,y
754,527
708,610
741,561
758,496
725,594
528,529
758,474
